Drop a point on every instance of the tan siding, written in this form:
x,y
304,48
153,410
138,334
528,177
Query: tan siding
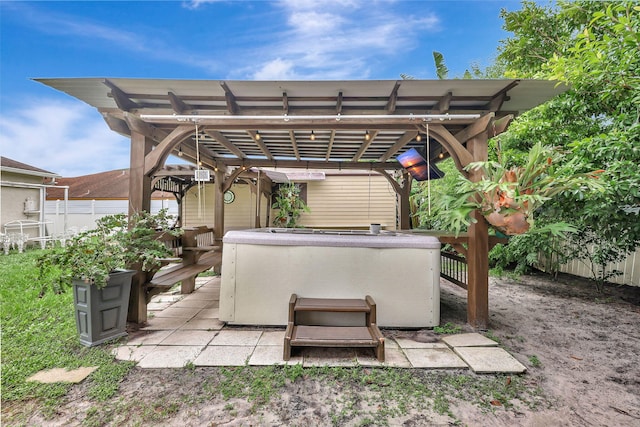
x,y
350,202
238,215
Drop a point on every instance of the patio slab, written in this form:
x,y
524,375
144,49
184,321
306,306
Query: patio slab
x,y
434,358
228,337
132,353
148,337
155,323
189,337
315,356
174,311
485,360
272,338
192,303
393,357
169,356
203,324
208,313
469,340
230,355
267,355
406,343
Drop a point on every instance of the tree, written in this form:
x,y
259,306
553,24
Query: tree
x,y
595,48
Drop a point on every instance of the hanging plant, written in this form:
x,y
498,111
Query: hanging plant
x,y
507,197
289,205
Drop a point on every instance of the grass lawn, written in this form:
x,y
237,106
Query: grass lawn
x,y
39,332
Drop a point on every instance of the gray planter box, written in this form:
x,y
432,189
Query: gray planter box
x,y
101,314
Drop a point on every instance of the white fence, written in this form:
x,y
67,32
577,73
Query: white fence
x,y
630,268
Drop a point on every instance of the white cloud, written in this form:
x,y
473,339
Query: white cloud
x,y
67,138
340,39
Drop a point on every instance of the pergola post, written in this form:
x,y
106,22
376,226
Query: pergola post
x,y
478,249
139,200
139,183
405,206
218,216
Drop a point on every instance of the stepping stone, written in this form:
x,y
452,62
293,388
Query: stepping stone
x,y
62,375
485,360
170,356
434,358
393,357
189,337
469,340
267,355
228,337
409,343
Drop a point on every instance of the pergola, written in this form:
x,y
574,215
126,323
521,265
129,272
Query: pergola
x,y
228,127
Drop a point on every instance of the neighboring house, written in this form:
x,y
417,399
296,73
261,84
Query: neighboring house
x,y
22,195
96,195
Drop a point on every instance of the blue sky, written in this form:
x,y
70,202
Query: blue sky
x,y
219,40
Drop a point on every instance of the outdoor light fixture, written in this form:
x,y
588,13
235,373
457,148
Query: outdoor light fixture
x,y
367,136
417,166
312,136
418,137
257,135
180,151
441,155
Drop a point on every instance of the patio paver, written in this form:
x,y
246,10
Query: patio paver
x,y
229,355
174,311
228,337
435,358
406,343
189,337
267,355
148,337
133,353
484,360
204,324
469,340
170,356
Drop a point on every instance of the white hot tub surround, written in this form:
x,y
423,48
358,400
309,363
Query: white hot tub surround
x,y
261,268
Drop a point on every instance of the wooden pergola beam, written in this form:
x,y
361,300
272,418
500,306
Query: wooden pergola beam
x,y
230,99
294,144
285,103
365,146
332,138
393,99
339,103
218,136
443,104
120,97
398,145
177,104
260,143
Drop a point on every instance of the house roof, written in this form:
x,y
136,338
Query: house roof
x,y
231,114
110,185
10,165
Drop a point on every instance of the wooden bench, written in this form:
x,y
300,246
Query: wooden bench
x,y
299,335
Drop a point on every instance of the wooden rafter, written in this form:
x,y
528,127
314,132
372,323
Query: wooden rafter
x,y
365,146
144,128
260,143
120,97
393,99
397,146
332,138
218,136
476,128
177,104
285,103
339,103
443,104
232,105
294,144
117,125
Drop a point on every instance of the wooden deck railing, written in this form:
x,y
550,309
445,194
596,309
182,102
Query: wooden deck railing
x,y
453,267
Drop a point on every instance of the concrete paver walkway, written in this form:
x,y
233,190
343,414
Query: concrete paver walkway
x,y
185,329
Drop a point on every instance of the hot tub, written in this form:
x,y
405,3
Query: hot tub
x,y
261,268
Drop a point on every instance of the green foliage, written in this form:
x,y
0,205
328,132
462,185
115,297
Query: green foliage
x,y
39,332
289,205
447,329
117,242
516,189
595,48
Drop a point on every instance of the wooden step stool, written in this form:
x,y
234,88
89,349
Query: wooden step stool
x,y
368,335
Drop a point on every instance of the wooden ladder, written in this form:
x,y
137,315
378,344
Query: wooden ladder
x,y
368,336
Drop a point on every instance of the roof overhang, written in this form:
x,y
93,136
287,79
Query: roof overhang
x,y
319,124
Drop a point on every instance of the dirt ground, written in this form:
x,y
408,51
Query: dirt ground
x,y
582,349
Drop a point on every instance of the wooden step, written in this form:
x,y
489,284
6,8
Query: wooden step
x,y
336,305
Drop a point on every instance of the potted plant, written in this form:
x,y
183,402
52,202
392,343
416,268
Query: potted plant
x,y
99,265
507,197
290,206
